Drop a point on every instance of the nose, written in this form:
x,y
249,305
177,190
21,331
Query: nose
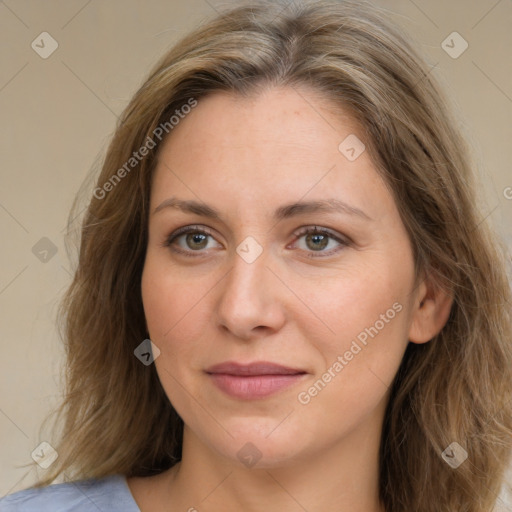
x,y
250,301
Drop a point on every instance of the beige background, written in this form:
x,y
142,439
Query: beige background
x,y
58,114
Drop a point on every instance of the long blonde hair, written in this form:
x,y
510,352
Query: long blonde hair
x,y
456,388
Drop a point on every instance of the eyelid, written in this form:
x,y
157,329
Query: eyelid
x,y
312,229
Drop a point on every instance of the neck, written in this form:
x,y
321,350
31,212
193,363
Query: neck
x,y
343,477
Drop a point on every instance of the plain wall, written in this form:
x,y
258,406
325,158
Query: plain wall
x,y
58,114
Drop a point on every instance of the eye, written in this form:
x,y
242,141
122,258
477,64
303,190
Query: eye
x,y
317,239
194,237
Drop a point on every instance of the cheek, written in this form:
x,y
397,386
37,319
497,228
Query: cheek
x,y
167,298
158,301
356,299
368,311
359,361
177,316
169,316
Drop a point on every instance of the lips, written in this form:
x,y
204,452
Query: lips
x,y
256,368
255,380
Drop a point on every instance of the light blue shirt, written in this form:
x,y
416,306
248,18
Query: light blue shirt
x,y
108,494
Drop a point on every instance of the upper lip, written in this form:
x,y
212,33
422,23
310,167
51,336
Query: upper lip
x,y
256,368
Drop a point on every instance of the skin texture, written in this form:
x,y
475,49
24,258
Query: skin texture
x,y
245,158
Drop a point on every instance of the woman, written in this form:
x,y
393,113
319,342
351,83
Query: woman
x,y
286,298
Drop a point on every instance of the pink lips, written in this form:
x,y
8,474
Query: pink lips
x,y
255,380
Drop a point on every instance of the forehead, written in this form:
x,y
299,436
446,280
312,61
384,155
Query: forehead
x,y
281,142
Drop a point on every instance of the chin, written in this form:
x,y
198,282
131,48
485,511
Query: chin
x,y
261,444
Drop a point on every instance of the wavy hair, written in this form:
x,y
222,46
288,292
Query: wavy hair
x,y
116,417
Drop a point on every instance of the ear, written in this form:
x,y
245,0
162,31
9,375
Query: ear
x,y
431,310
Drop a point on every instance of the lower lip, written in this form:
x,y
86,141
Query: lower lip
x,y
254,386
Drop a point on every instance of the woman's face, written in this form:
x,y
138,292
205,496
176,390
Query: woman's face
x,y
249,285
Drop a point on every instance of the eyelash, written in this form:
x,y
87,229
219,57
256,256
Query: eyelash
x,y
306,231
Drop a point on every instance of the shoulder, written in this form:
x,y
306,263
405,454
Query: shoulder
x,y
109,493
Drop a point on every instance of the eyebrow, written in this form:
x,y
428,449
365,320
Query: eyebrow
x,y
283,212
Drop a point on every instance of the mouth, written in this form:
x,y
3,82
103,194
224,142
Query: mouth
x,y
255,380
